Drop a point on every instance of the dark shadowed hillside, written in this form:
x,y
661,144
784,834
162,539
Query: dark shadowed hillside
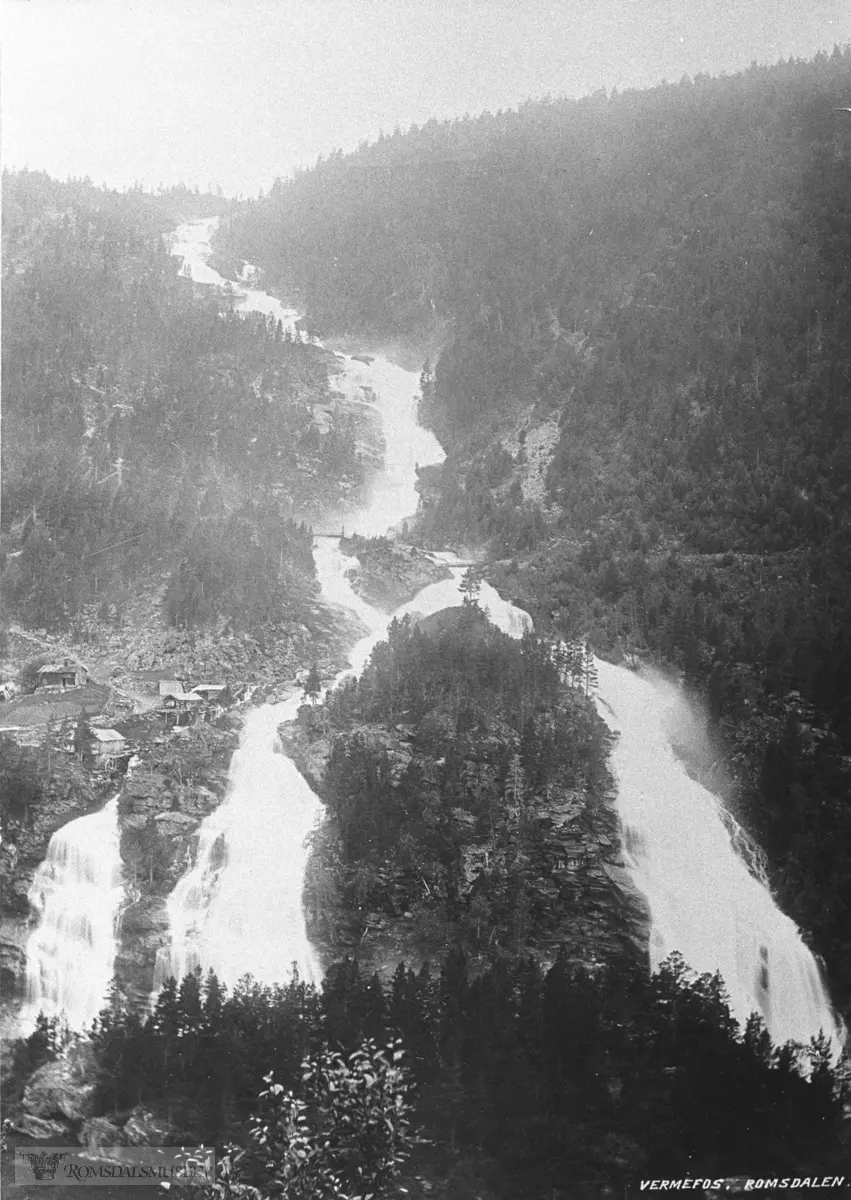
x,y
154,430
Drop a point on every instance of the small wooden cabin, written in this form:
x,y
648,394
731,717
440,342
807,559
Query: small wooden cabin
x,y
59,676
181,707
181,701
109,744
170,687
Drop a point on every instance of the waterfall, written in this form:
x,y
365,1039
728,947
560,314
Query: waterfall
x,y
75,895
332,569
706,892
239,908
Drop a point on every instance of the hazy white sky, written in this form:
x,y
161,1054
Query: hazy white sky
x,y
236,92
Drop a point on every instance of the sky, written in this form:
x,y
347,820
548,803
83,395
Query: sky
x,y
236,92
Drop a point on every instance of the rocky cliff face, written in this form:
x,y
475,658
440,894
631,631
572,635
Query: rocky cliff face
x,y
175,785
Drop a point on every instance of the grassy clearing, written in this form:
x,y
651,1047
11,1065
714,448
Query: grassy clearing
x,y
41,708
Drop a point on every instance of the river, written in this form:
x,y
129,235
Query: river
x,y
238,909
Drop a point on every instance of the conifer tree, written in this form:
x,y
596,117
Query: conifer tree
x,y
589,670
471,586
313,685
82,734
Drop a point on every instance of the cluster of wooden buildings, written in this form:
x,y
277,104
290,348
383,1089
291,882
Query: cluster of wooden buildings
x,y
181,706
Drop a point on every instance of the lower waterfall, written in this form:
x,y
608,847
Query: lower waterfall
x,y
685,856
239,909
76,896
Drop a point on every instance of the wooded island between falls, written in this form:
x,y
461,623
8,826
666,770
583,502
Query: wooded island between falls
x,y
633,322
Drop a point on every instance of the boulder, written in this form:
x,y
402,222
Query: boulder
x,y
145,1129
60,1088
174,823
43,1130
100,1131
391,574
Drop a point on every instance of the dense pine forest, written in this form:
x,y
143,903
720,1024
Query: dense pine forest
x,y
154,430
643,305
611,1073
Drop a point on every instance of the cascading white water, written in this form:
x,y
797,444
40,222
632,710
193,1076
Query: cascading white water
x,y
191,242
332,569
684,853
76,897
239,910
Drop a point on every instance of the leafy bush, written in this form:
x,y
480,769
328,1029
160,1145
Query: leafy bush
x,y
344,1138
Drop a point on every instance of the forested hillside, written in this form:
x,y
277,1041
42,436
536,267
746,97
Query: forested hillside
x,y
643,390
148,427
466,782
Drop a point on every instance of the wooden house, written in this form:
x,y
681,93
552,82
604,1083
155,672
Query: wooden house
x,y
181,707
181,701
170,687
109,745
59,676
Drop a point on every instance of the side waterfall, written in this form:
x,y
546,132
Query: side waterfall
x,y
239,909
76,897
684,852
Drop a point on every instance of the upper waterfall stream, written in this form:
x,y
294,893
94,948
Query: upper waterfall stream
x,y
238,909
